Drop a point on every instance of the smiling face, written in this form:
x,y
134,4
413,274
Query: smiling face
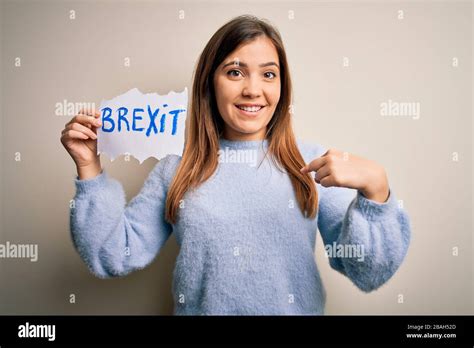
x,y
247,87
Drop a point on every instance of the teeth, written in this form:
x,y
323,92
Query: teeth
x,y
250,108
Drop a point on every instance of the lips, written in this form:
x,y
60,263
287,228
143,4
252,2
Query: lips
x,y
254,108
249,109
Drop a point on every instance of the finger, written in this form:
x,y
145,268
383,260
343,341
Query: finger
x,y
321,173
328,181
70,121
88,120
80,128
328,152
337,154
73,134
95,113
314,165
89,112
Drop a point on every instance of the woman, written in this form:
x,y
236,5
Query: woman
x,y
242,200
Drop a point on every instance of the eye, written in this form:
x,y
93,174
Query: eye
x,y
272,75
234,73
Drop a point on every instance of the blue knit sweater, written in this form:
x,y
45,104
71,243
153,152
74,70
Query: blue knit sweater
x,y
245,246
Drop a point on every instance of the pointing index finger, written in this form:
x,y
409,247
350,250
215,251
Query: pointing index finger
x,y
314,165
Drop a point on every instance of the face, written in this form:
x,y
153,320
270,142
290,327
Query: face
x,y
247,85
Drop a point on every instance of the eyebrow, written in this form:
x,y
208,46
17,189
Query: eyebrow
x,y
242,64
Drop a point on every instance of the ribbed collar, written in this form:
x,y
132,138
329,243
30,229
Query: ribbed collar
x,y
243,144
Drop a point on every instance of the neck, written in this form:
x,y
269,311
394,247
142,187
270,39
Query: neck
x,y
235,136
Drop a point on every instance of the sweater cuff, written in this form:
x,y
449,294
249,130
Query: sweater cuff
x,y
374,210
91,185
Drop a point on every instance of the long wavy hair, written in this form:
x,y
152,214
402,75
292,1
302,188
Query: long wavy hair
x,y
205,125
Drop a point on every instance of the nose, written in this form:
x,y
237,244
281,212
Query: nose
x,y
252,88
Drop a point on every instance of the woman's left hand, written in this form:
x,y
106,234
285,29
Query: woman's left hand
x,y
341,169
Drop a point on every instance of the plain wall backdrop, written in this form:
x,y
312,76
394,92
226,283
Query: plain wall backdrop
x,y
346,58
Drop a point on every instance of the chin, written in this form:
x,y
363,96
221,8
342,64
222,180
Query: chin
x,y
247,130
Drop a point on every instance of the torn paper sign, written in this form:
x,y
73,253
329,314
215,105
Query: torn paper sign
x,y
143,125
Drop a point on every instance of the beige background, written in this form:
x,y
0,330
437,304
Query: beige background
x,y
82,60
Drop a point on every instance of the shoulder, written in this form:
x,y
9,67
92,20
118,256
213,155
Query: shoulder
x,y
310,150
166,168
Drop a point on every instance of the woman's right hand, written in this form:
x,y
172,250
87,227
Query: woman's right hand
x,y
79,137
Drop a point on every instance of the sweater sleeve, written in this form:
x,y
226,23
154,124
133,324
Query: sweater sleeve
x,y
380,231
114,238
348,221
